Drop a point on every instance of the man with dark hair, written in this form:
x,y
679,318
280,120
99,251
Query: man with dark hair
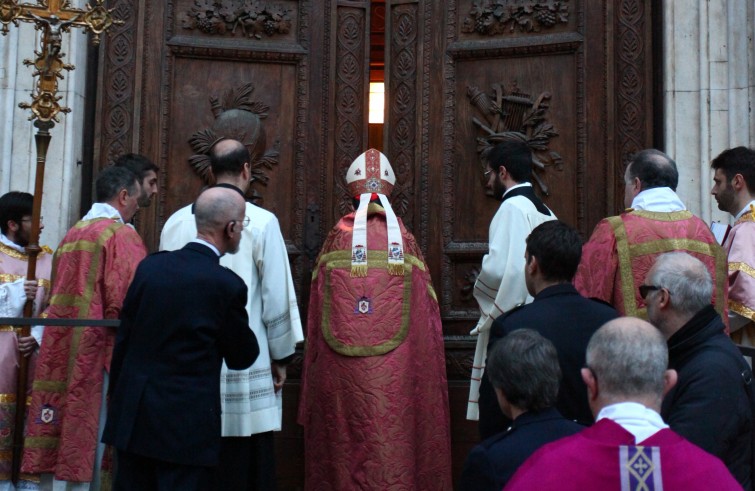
x,y
523,369
629,446
164,417
145,170
500,285
250,398
557,312
623,248
15,290
712,402
94,265
734,190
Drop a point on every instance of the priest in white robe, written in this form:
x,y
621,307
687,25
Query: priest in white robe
x,y
500,285
250,399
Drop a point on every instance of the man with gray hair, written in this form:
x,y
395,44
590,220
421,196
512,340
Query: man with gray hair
x,y
712,403
524,371
629,446
622,248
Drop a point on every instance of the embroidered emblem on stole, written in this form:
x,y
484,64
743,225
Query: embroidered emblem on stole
x,y
640,468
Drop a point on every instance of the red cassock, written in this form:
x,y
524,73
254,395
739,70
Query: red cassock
x,y
94,266
622,249
374,401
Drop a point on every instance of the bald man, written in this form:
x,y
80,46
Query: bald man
x,y
183,315
629,446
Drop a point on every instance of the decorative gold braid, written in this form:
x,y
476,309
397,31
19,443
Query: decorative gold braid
x,y
625,265
743,267
374,350
742,310
663,216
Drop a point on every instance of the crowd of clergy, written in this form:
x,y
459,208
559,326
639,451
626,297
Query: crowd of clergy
x,y
606,364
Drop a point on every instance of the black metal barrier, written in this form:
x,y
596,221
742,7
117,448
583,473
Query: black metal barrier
x,y
39,321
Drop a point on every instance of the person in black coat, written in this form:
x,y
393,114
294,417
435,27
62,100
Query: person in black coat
x,y
524,370
183,314
712,403
559,313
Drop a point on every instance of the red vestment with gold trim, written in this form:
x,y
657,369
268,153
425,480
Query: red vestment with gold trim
x,y
623,248
94,266
374,400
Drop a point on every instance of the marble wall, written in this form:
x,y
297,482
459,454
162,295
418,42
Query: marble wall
x,y
709,90
61,199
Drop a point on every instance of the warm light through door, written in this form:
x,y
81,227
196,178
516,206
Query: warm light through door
x,y
377,102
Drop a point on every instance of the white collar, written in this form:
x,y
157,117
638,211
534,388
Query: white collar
x,y
103,210
640,421
521,185
744,210
658,199
211,246
5,240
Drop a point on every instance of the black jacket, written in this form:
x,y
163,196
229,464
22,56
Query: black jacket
x,y
183,314
712,403
491,464
560,314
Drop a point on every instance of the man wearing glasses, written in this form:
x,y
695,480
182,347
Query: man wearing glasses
x,y
15,290
712,402
500,285
251,399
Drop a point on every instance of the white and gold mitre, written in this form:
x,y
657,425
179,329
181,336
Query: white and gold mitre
x,y
370,173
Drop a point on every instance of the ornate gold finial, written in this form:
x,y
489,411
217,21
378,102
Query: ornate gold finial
x,y
53,18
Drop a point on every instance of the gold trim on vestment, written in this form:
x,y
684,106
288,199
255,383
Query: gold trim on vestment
x,y
41,441
7,398
747,217
56,386
10,278
375,258
627,253
663,216
378,349
16,329
15,254
431,292
743,267
742,310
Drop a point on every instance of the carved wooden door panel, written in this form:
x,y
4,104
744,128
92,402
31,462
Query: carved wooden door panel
x,y
571,77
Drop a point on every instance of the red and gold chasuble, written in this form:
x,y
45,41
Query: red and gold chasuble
x,y
374,400
94,266
622,249
740,245
13,267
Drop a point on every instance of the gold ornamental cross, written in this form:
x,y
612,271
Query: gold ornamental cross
x,y
53,18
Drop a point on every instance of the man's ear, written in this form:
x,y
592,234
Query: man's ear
x,y
532,265
669,380
665,298
123,196
738,182
502,171
13,226
591,382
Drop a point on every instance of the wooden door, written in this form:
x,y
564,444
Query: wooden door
x,y
574,77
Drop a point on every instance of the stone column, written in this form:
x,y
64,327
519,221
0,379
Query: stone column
x,y
709,84
61,199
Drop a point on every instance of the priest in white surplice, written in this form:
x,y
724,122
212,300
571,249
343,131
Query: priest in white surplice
x,y
250,399
500,285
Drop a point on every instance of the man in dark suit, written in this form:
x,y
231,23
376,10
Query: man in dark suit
x,y
523,368
183,314
559,313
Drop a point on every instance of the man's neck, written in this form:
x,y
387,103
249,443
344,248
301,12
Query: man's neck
x,y
741,205
541,285
237,181
673,322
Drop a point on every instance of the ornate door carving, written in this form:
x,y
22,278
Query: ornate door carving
x,y
574,77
